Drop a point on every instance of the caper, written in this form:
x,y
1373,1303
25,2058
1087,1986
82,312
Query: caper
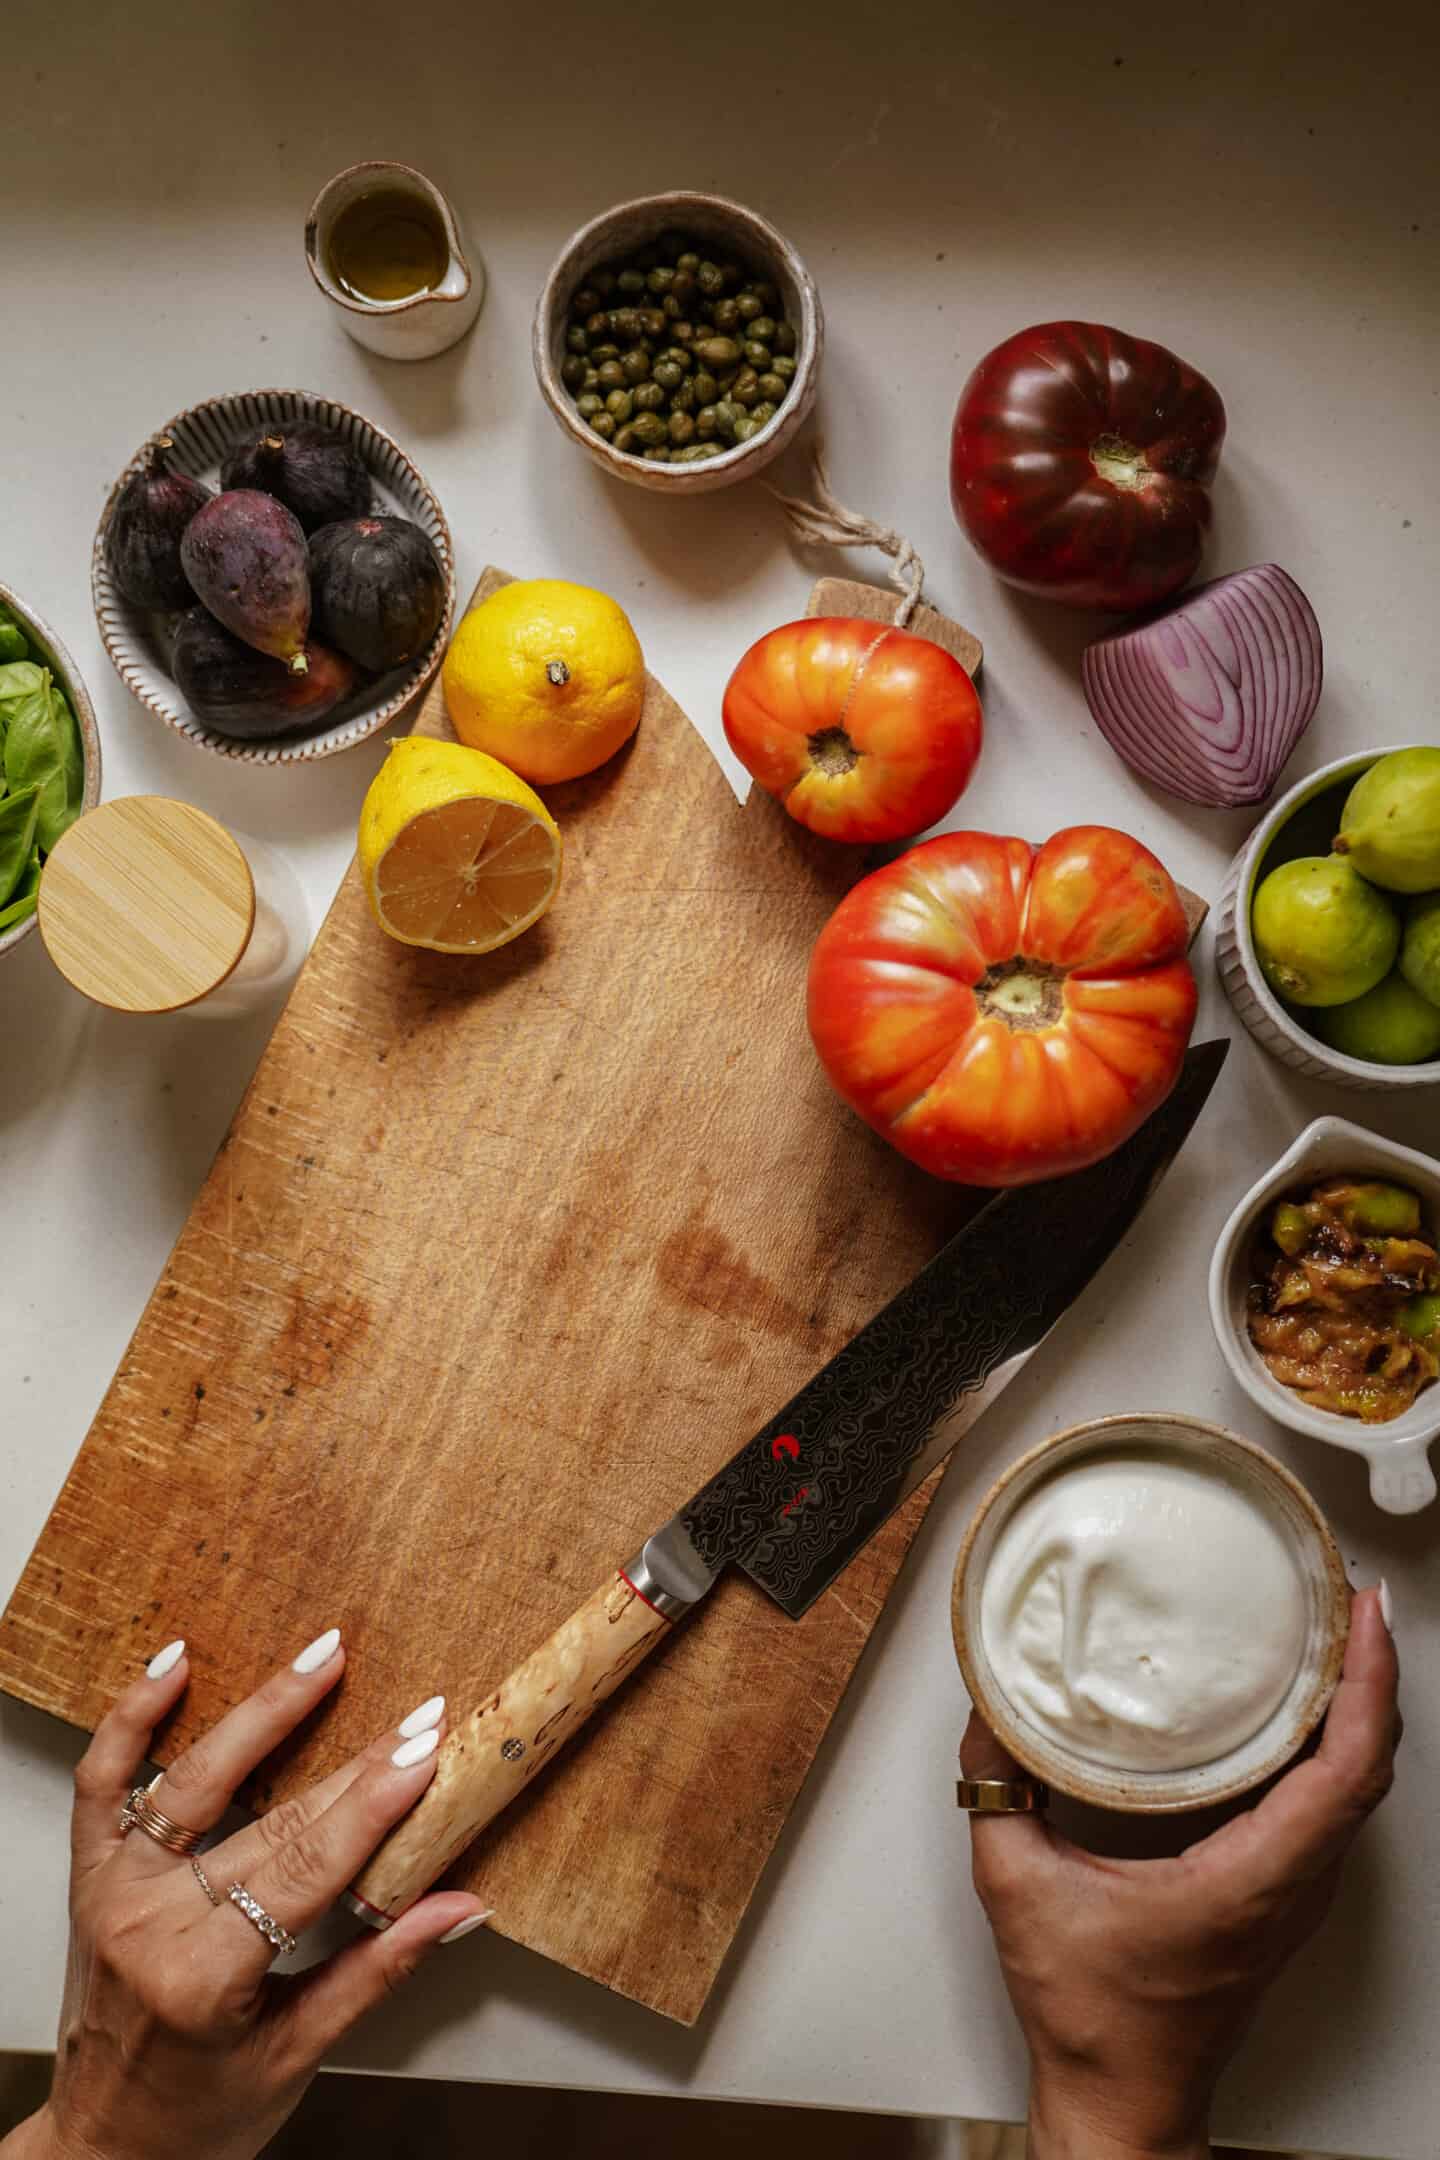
x,y
706,387
684,399
621,404
708,277
717,353
659,455
706,422
757,354
668,373
748,306
726,415
683,288
763,328
591,379
745,427
688,261
649,397
763,411
784,340
772,387
636,364
572,371
575,339
603,282
603,423
671,309
625,325
624,438
584,303
660,279
631,281
597,325
649,429
652,322
601,353
764,291
689,455
612,376
588,405
783,365
682,355
725,315
682,429
745,390
681,333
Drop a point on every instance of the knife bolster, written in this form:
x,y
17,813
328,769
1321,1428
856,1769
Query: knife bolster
x,y
489,1756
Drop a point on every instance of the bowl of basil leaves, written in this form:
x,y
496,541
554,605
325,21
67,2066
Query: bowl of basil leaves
x,y
49,757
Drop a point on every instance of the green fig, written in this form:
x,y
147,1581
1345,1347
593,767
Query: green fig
x,y
1322,935
1390,826
245,555
1420,947
1390,1025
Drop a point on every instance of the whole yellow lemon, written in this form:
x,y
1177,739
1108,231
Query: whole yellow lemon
x,y
546,676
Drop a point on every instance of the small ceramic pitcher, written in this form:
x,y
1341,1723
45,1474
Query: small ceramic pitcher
x,y
423,323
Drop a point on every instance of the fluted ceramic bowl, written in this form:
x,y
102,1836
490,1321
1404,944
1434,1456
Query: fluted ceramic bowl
x,y
138,642
1303,822
1401,1480
733,230
46,648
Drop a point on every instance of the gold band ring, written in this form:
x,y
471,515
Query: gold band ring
x,y
1001,1796
205,1883
280,1937
139,1813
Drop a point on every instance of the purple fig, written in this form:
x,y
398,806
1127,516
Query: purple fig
x,y
312,470
242,692
142,539
244,553
378,588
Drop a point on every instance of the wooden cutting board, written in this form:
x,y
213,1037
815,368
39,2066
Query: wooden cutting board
x,y
499,1260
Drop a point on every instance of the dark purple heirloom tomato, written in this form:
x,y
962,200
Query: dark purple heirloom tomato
x,y
1081,462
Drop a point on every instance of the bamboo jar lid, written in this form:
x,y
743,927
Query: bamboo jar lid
x,y
146,904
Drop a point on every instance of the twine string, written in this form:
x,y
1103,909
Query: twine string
x,y
827,522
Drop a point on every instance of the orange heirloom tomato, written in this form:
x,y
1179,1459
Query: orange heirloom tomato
x,y
864,733
1002,1013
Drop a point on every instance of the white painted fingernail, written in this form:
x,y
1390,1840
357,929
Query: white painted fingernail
x,y
1387,1609
468,1927
165,1661
421,1720
415,1751
318,1653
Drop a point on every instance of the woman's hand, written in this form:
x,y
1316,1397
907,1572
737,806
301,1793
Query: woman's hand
x,y
1134,1980
173,2037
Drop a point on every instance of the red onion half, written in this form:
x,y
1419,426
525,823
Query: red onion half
x,y
1210,699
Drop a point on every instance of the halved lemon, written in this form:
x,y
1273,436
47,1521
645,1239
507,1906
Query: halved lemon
x,y
457,853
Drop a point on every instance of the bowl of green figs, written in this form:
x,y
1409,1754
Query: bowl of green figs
x,y
49,757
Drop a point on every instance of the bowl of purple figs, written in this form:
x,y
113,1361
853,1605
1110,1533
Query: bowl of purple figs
x,y
273,577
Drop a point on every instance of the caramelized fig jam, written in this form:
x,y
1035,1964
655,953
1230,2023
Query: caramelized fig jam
x,y
1344,1302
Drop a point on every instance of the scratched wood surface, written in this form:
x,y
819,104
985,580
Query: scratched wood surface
x,y
500,1258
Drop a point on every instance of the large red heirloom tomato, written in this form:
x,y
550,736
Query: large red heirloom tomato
x,y
1001,1013
864,732
1081,461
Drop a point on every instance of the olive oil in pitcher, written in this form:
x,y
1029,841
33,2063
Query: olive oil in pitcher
x,y
387,244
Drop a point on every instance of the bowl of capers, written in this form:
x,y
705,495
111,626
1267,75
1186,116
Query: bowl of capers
x,y
678,341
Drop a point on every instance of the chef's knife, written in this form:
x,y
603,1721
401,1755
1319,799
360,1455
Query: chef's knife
x,y
802,1497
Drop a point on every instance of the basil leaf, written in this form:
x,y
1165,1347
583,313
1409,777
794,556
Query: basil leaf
x,y
21,678
42,750
12,641
19,814
27,896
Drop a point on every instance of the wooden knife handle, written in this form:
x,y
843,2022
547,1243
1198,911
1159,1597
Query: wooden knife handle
x,y
491,1755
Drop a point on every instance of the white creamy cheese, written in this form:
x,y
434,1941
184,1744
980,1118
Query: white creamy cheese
x,y
1142,1611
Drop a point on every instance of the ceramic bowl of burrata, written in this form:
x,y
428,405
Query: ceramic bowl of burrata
x,y
1150,1613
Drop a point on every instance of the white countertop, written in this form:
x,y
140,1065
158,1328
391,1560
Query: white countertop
x,y
1250,189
